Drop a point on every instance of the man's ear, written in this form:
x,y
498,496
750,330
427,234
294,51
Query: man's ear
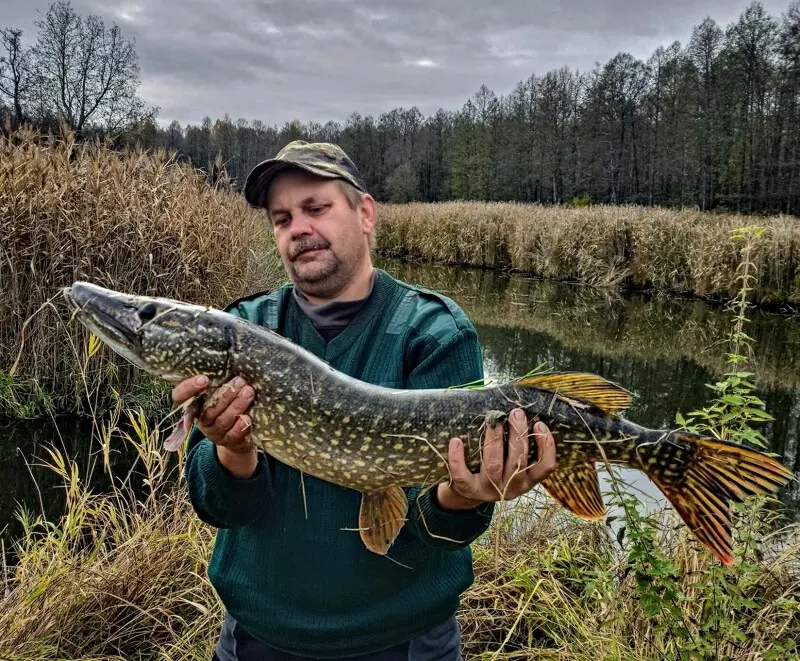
x,y
367,212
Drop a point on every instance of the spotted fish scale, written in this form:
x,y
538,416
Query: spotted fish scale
x,y
378,440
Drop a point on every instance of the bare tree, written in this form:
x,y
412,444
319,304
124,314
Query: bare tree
x,y
88,73
15,73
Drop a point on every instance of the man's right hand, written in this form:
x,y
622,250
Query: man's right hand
x,y
224,421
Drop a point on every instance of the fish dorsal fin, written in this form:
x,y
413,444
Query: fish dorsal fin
x,y
578,489
590,388
381,517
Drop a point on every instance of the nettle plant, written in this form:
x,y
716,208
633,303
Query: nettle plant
x,y
706,610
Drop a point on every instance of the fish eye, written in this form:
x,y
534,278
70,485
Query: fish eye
x,y
147,312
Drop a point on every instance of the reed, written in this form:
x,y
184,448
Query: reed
x,y
137,221
633,247
122,575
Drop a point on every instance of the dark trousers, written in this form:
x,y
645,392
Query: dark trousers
x,y
442,643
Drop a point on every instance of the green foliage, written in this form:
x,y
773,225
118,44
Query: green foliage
x,y
584,200
22,398
724,598
735,408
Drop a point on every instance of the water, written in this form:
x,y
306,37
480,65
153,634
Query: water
x,y
665,350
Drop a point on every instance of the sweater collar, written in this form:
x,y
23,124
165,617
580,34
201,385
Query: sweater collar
x,y
381,291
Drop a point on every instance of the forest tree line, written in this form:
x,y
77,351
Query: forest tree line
x,y
712,123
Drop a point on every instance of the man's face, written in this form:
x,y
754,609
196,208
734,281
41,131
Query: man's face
x,y
322,241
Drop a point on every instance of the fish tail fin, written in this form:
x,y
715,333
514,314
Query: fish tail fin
x,y
700,476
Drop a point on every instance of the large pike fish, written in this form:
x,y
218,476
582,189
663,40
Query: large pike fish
x,y
377,440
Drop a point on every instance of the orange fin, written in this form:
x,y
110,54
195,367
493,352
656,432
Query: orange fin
x,y
578,489
590,388
381,517
704,476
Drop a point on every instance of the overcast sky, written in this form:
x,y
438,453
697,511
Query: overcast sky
x,y
278,60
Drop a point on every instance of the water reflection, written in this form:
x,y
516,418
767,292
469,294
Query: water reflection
x,y
26,482
663,349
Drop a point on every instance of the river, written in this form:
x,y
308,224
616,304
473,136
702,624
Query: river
x,y
663,349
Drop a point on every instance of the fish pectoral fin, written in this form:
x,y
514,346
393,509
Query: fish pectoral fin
x,y
578,489
182,428
381,517
590,388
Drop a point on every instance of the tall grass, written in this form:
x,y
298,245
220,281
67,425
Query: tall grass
x,y
122,575
140,222
637,247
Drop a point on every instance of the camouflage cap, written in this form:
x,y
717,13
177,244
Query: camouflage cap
x,y
320,158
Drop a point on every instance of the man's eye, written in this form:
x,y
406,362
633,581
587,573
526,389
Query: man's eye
x,y
316,210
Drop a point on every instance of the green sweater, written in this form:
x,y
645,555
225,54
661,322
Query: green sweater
x,y
303,584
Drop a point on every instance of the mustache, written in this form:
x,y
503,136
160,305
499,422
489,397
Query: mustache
x,y
304,245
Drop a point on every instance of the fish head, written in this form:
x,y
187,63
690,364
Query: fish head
x,y
171,339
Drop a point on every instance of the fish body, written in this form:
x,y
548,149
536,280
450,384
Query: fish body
x,y
378,440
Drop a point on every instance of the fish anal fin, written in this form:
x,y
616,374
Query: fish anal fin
x,y
590,388
578,489
176,438
381,517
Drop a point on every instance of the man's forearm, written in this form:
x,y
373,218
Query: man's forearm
x,y
226,496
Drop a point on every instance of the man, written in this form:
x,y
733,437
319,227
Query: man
x,y
295,578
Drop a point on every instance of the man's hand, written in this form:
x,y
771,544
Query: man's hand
x,y
224,421
496,480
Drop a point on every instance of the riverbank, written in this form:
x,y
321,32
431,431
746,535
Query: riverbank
x,y
611,324
627,247
122,575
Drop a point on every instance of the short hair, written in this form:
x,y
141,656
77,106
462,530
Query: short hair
x,y
353,196
351,193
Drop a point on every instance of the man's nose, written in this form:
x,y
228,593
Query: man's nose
x,y
300,226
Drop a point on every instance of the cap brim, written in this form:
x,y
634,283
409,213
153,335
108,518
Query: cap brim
x,y
256,186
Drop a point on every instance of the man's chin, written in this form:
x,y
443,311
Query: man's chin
x,y
312,273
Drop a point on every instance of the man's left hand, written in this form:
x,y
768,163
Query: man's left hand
x,y
498,480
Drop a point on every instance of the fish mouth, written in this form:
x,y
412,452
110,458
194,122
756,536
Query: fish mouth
x,y
108,314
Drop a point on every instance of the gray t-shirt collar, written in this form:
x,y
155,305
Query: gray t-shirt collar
x,y
331,318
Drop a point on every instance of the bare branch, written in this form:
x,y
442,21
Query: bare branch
x,y
89,73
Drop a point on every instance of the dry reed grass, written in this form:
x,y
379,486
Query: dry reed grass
x,y
139,222
556,587
122,575
639,247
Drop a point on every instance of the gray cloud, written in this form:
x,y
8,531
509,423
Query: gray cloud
x,y
315,60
